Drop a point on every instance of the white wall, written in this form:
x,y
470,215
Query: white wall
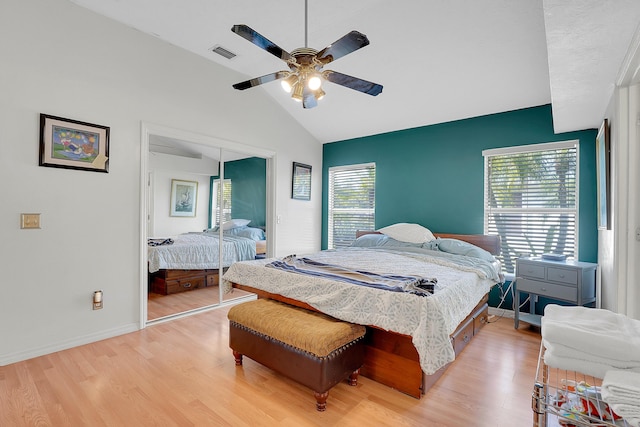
x,y
60,59
169,226
619,248
164,168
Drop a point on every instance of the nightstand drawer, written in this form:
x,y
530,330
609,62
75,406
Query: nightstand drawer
x,y
531,271
562,275
547,289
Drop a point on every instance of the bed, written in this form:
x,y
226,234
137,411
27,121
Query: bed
x,y
253,233
411,339
191,260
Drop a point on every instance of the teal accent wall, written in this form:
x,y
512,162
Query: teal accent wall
x,y
434,175
249,193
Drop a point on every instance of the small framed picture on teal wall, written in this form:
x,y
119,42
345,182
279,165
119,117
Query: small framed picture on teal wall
x,y
301,182
602,176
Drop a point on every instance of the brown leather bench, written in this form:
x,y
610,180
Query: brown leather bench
x,y
311,348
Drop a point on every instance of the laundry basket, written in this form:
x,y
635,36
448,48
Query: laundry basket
x,y
569,398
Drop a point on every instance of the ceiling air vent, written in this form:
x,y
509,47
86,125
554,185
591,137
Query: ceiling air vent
x,y
223,52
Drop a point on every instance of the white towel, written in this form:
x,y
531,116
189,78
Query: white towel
x,y
585,367
621,390
598,332
595,362
621,387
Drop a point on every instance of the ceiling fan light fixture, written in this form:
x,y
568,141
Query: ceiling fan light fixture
x,y
288,83
314,82
298,91
319,94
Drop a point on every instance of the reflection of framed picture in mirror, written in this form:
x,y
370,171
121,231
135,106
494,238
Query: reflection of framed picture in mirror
x,y
184,195
602,175
301,182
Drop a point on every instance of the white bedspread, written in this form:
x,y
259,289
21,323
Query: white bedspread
x,y
198,251
428,320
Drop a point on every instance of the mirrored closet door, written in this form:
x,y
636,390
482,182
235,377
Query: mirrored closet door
x,y
207,209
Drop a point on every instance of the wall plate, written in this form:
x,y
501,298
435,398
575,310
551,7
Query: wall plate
x,y
30,220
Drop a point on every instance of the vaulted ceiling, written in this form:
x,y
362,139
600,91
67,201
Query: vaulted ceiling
x,y
438,60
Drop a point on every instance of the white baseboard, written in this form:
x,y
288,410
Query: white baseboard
x,y
6,359
501,312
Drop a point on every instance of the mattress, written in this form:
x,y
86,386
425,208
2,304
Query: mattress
x,y
461,283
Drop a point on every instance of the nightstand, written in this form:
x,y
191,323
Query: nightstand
x,y
569,281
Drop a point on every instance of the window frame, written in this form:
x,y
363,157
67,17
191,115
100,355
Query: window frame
x,y
213,205
531,148
331,210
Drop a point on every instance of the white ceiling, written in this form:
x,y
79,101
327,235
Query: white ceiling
x,y
438,60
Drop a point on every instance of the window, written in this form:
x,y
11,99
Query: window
x,y
531,199
352,202
226,202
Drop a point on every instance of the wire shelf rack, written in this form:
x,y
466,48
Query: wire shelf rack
x,y
569,399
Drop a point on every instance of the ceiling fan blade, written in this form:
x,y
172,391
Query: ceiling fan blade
x,y
308,98
347,44
354,83
260,80
262,42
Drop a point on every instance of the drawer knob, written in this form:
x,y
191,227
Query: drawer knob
x,y
186,285
466,339
483,320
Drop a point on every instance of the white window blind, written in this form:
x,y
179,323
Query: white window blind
x,y
531,200
226,201
352,202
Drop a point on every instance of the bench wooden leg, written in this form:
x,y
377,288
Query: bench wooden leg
x,y
238,357
353,378
321,400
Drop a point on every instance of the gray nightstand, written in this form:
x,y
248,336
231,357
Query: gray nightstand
x,y
570,281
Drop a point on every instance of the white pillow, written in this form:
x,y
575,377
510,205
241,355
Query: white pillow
x,y
411,233
235,223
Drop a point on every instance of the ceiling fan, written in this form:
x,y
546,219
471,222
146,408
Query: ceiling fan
x,y
304,77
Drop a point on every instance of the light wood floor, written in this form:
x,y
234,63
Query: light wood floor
x,y
182,373
159,306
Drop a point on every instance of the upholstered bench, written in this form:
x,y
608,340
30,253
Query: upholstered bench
x,y
311,348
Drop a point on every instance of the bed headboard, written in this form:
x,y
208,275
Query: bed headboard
x,y
488,242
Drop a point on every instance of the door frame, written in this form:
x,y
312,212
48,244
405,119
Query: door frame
x,y
147,129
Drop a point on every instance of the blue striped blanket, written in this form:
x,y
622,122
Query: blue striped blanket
x,y
159,242
390,282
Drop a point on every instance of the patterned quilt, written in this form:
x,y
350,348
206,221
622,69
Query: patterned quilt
x,y
199,251
461,284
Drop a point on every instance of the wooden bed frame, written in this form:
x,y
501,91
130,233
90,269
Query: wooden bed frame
x,y
169,281
390,357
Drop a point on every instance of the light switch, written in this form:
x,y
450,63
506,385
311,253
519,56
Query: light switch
x,y
30,220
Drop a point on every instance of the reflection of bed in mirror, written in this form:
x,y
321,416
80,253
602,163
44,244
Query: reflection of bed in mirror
x,y
240,228
411,339
191,261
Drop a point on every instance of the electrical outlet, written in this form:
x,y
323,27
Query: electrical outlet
x,y
97,300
